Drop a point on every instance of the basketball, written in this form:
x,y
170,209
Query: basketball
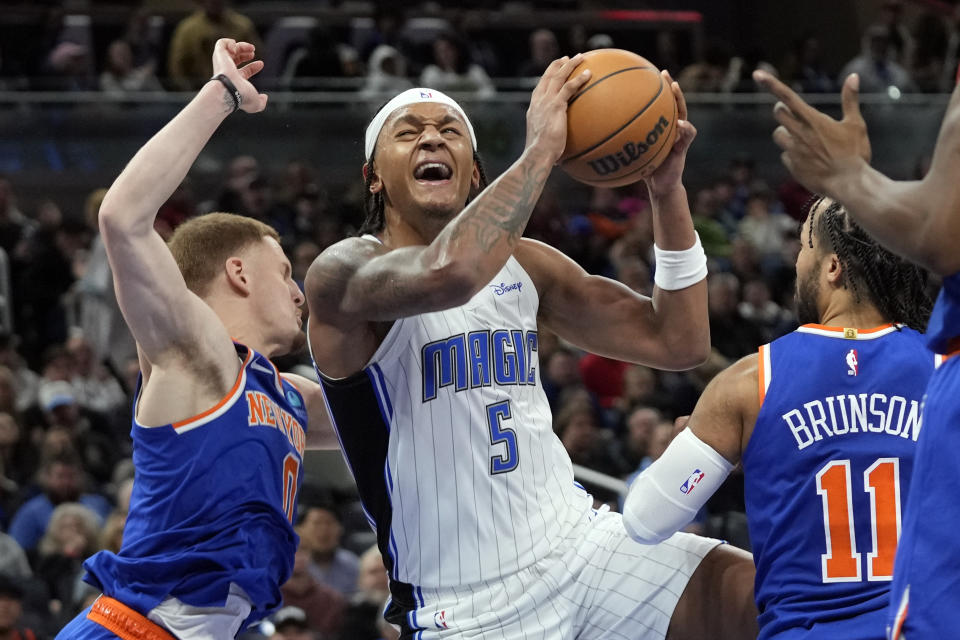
x,y
622,123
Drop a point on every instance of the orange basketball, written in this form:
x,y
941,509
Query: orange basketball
x,y
622,123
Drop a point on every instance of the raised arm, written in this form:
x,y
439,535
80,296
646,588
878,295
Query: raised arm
x,y
164,317
671,330
357,281
917,219
701,456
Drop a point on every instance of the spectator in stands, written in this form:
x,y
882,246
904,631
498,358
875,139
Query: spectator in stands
x,y
804,69
544,49
588,445
322,57
759,309
641,421
878,70
320,532
709,72
324,606
365,610
730,332
100,320
189,65
18,464
95,387
14,225
929,54
72,535
452,70
763,227
11,608
13,561
121,76
26,382
290,623
386,74
68,67
61,479
559,373
73,428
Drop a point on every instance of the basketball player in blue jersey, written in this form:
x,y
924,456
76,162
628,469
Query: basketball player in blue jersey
x,y
825,422
921,221
424,332
218,434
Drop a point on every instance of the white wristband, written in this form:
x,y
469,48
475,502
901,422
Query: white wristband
x,y
680,269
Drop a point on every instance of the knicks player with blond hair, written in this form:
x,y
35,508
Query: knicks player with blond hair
x,y
424,331
825,422
218,434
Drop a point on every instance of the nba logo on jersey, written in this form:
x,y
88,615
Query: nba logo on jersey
x,y
426,94
694,479
852,363
440,619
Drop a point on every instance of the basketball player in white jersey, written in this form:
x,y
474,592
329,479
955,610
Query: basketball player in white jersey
x,y
424,331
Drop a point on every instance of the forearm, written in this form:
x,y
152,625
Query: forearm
x,y
680,311
161,164
482,237
672,222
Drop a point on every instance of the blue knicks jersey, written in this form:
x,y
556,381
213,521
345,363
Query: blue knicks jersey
x,y
826,471
213,501
925,596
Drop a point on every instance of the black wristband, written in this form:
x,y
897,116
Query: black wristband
x,y
231,89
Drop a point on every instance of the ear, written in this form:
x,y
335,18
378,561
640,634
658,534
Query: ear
x,y
236,275
475,178
834,270
376,184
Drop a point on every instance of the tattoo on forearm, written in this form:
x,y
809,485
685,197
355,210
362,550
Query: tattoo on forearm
x,y
504,209
228,104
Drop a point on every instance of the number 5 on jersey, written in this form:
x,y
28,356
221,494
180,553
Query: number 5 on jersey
x,y
500,463
841,562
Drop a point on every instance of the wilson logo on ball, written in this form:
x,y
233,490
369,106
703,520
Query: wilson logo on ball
x,y
631,152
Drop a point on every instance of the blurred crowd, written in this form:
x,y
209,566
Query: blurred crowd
x,y
398,47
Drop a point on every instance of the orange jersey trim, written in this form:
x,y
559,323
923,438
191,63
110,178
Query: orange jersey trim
x,y
123,621
230,395
824,327
761,374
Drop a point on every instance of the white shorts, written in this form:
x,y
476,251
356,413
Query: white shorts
x,y
599,585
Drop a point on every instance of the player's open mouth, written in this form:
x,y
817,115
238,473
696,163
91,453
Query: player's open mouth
x,y
433,173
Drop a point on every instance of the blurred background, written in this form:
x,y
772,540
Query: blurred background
x,y
83,84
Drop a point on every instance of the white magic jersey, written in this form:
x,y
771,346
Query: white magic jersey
x,y
449,436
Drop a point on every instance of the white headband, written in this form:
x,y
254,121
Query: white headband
x,y
408,97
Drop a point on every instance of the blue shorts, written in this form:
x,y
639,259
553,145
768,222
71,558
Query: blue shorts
x,y
82,628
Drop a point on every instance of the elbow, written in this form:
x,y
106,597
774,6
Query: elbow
x,y
633,524
452,284
688,349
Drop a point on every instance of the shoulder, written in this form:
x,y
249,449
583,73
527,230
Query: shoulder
x,y
739,381
339,260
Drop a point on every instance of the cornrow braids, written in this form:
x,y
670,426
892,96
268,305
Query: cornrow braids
x,y
897,288
373,205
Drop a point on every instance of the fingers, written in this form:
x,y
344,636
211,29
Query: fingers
x,y
574,84
686,132
677,94
850,98
784,93
783,138
252,69
785,117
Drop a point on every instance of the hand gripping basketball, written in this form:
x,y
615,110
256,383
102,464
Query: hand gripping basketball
x,y
547,114
228,54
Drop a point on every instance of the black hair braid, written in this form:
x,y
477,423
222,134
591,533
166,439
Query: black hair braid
x,y
373,205
895,286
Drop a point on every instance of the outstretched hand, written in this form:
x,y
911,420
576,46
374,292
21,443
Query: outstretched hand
x,y
669,174
228,55
819,151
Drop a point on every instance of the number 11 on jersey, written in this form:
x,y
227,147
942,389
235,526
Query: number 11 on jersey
x,y
842,562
